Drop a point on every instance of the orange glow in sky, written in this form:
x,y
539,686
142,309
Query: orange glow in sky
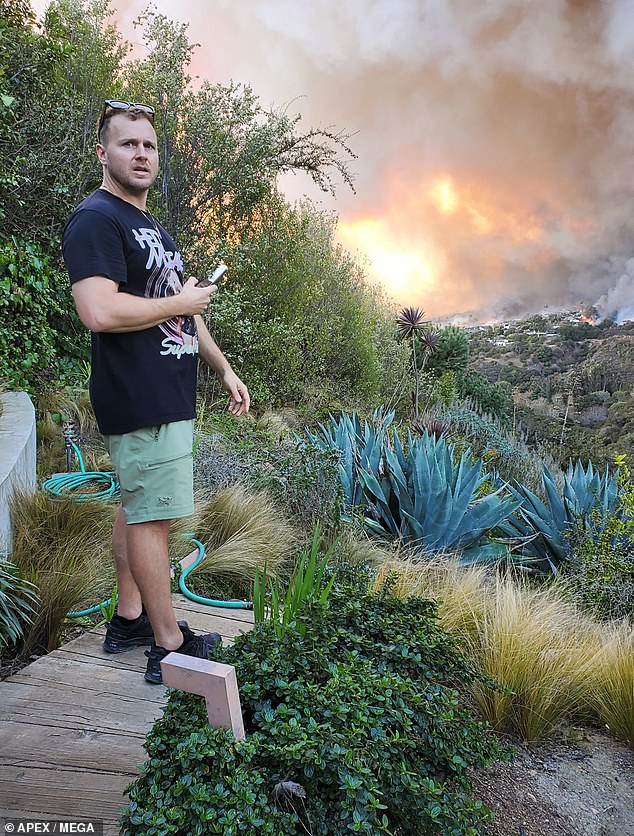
x,y
404,268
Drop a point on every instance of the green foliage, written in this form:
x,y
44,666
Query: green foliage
x,y
587,503
600,572
451,353
306,583
298,318
352,726
301,478
494,398
17,600
57,79
504,452
38,341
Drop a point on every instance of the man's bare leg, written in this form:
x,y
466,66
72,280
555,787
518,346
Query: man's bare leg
x,y
129,604
148,560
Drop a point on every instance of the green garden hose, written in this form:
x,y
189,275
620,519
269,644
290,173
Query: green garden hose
x,y
210,602
68,484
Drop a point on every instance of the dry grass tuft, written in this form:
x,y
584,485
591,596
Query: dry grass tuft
x,y
530,640
610,682
354,549
242,531
63,547
461,591
537,644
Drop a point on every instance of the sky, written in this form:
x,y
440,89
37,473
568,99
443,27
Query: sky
x,y
494,139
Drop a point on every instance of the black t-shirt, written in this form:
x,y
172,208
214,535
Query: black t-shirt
x,y
139,378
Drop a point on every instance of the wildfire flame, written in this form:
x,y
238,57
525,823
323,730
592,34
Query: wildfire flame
x,y
411,245
402,268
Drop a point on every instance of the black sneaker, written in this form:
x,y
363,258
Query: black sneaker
x,y
193,645
121,636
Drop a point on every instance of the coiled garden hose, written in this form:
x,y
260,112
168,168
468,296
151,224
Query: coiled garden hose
x,y
199,599
68,484
210,602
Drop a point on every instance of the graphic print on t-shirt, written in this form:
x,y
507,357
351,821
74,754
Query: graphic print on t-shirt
x,y
165,279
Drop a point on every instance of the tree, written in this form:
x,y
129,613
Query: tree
x,y
451,354
221,150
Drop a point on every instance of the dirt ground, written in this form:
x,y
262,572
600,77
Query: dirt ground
x,y
583,786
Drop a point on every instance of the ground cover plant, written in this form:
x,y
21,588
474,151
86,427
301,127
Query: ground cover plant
x,y
353,724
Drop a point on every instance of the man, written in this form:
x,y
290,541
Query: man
x,y
147,332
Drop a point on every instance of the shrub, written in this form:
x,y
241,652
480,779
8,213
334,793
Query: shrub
x,y
600,572
301,479
40,332
355,726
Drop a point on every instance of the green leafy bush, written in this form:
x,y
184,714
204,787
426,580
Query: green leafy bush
x,y
301,478
355,726
36,341
600,572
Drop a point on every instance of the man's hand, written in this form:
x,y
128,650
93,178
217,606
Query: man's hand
x,y
195,299
240,400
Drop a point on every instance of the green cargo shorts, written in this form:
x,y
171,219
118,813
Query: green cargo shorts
x,y
154,466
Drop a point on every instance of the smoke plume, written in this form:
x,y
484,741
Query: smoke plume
x,y
495,140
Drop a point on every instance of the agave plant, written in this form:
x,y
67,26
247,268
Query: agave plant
x,y
429,502
543,527
360,445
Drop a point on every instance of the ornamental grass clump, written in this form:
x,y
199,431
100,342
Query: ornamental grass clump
x,y
353,725
537,645
63,548
610,682
242,531
460,591
530,640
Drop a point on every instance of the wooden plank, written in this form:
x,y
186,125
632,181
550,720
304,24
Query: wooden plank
x,y
123,680
73,707
24,744
72,723
245,616
62,793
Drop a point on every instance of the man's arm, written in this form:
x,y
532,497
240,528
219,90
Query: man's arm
x,y
102,308
212,355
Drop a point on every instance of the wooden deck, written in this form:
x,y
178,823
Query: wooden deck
x,y
72,724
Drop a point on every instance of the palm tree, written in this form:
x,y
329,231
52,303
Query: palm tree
x,y
412,325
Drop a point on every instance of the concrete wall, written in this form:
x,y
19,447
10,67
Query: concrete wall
x,y
17,456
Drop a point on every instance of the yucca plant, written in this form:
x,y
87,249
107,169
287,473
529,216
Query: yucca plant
x,y
544,528
306,583
17,600
430,503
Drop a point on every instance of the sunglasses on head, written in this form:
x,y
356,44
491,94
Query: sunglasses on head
x,y
115,104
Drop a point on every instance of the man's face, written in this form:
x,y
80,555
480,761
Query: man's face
x,y
129,154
